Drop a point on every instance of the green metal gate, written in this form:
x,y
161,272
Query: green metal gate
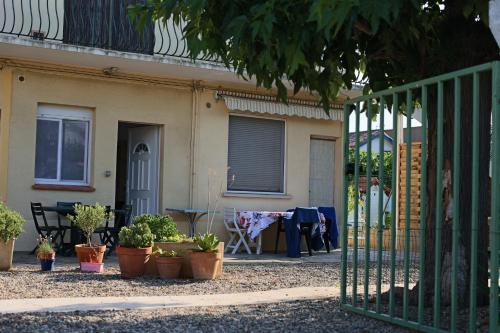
x,y
373,263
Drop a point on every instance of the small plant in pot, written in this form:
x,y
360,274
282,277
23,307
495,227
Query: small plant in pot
x,y
163,227
11,226
46,254
88,218
205,261
169,264
134,250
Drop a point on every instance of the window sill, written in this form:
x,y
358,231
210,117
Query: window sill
x,y
257,195
55,187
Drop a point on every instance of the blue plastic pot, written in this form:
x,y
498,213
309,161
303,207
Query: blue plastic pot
x,y
47,264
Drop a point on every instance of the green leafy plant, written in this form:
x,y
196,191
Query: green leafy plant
x,y
11,223
88,218
138,235
163,253
163,227
44,246
207,242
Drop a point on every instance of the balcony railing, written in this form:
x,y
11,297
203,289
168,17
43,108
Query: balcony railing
x,y
94,23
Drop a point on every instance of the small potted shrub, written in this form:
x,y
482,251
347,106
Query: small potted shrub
x,y
205,261
11,226
134,249
167,238
46,254
88,219
168,263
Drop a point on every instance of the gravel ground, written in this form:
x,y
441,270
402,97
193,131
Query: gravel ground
x,y
300,316
27,281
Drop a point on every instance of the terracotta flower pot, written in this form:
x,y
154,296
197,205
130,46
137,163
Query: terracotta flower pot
x,y
204,265
6,254
46,256
132,260
169,267
94,253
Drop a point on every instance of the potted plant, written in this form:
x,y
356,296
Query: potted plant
x,y
167,238
46,254
168,263
205,261
11,226
88,218
134,249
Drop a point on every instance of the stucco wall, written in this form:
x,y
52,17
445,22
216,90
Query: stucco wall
x,y
111,102
212,154
172,108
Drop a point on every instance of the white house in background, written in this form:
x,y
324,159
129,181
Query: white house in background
x,y
375,139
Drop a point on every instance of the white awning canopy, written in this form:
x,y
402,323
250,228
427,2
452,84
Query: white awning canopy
x,y
267,104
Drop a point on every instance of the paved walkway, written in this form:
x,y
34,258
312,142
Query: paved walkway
x,y
159,302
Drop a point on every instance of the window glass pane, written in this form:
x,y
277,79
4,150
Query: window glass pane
x,y
47,137
73,150
255,154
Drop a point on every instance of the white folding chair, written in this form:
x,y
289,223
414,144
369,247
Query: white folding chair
x,y
237,234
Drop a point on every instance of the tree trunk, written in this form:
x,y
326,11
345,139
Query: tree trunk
x,y
464,251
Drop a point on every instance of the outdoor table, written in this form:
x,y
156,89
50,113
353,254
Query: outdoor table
x,y
193,216
254,222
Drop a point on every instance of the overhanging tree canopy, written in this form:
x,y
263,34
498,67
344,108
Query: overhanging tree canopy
x,y
321,46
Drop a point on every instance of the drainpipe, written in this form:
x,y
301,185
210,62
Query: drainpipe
x,y
193,142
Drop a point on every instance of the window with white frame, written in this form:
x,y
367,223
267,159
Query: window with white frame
x,y
256,155
62,154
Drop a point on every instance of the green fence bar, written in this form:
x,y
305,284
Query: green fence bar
x,y
396,313
423,207
409,111
343,277
368,202
495,198
456,203
380,204
356,213
439,190
475,202
395,168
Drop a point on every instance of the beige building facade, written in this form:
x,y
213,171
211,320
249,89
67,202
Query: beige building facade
x,y
73,117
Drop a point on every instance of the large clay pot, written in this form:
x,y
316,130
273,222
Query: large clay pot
x,y
132,260
183,249
204,265
94,253
169,267
6,254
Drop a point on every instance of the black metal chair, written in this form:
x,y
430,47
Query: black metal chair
x,y
306,218
75,234
104,231
123,218
279,229
43,228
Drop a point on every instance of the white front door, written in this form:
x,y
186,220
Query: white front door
x,y
321,171
143,169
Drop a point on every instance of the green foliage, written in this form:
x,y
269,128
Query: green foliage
x,y
325,45
387,221
163,227
11,223
375,164
44,246
138,235
207,242
352,199
88,218
162,253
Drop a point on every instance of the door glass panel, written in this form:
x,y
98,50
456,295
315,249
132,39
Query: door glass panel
x,y
47,137
73,150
